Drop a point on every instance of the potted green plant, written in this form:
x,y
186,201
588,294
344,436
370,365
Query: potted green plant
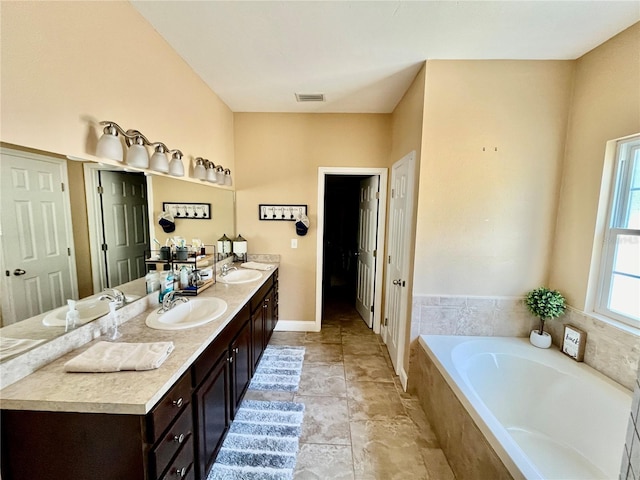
x,y
545,304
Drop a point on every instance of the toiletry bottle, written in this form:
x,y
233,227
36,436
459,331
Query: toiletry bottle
x,y
73,316
184,277
112,329
152,279
166,282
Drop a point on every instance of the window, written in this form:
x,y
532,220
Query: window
x,y
619,295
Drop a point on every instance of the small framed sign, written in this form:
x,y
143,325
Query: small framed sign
x,y
573,342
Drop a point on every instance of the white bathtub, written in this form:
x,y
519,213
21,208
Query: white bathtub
x,y
545,415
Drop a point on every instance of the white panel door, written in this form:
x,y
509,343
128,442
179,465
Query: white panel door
x,y
367,230
398,242
125,225
35,236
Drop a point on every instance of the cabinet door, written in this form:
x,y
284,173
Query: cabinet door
x,y
270,314
240,365
212,414
257,320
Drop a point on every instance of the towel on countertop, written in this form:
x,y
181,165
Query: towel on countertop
x,y
114,357
257,266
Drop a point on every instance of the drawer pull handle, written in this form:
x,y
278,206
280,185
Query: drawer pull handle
x,y
178,438
181,472
177,403
236,350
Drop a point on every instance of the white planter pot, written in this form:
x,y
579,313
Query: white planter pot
x,y
540,341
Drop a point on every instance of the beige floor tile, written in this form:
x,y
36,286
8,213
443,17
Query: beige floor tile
x,y
437,464
322,380
374,401
328,334
292,339
366,348
326,420
322,353
357,338
419,418
324,462
269,396
367,368
389,449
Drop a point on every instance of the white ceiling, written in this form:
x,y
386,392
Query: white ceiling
x,y
363,55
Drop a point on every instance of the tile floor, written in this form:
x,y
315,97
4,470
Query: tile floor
x,y
358,423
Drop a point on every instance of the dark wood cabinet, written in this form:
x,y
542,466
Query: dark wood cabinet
x,y
212,413
179,438
241,367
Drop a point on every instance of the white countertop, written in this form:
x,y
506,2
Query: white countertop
x,y
52,389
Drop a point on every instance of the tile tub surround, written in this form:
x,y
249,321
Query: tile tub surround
x,y
464,445
51,389
611,350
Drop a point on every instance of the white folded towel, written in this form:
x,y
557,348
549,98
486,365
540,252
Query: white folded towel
x,y
256,266
114,357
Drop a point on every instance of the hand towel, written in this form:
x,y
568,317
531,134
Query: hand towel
x,y
114,357
256,266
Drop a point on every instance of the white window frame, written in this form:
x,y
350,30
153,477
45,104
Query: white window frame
x,y
617,210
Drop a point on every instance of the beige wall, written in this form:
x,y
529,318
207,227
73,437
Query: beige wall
x,y
277,160
62,61
485,217
77,197
222,221
606,106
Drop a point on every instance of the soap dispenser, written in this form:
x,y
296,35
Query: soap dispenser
x,y
112,330
72,319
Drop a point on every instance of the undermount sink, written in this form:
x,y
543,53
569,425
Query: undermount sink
x,y
194,313
240,276
88,309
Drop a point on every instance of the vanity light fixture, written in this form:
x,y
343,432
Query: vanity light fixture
x,y
137,155
159,161
176,167
110,146
227,177
199,171
212,174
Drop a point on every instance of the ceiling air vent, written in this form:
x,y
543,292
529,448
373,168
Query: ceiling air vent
x,y
310,97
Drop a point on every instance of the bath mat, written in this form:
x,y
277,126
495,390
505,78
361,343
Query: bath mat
x,y
279,369
262,443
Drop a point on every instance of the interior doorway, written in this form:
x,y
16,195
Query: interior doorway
x,y
351,241
119,225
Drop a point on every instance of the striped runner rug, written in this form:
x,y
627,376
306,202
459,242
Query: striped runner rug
x,y
279,369
262,443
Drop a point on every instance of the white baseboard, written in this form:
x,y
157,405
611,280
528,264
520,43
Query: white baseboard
x,y
404,379
296,326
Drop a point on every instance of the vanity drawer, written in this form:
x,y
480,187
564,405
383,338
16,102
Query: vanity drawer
x,y
167,409
182,466
176,437
258,297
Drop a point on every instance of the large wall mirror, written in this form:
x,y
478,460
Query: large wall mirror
x,y
73,241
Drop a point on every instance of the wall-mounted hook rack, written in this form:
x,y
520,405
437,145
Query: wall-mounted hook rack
x,y
192,211
286,212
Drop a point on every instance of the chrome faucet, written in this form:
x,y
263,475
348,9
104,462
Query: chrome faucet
x,y
113,295
170,299
226,269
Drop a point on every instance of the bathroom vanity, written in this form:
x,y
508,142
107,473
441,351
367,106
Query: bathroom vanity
x,y
158,424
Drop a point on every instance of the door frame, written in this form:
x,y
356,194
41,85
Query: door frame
x,y
93,214
382,173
